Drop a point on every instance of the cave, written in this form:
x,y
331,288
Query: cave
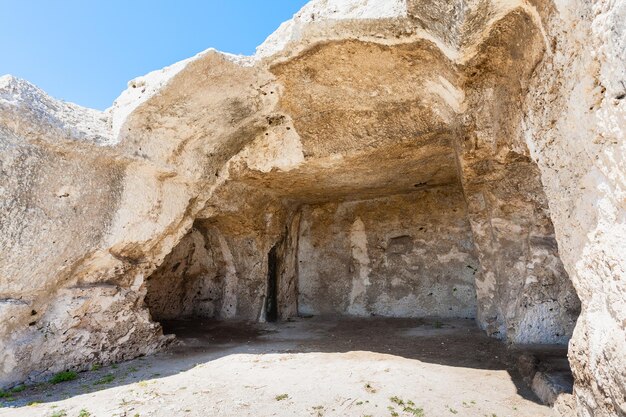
x,y
380,174
406,255
395,192
375,260
375,195
403,255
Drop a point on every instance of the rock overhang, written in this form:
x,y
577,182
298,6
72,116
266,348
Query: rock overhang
x,y
222,137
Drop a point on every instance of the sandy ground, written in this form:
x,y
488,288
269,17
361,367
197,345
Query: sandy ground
x,y
308,367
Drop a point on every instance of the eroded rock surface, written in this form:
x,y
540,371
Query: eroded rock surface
x,y
575,126
371,156
402,256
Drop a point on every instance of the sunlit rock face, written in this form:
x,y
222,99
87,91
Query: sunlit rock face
x,y
397,158
575,126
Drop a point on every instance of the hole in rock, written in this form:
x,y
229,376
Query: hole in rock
x,y
271,305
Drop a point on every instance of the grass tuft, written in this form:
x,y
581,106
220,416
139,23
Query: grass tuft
x,y
63,377
406,406
396,400
107,379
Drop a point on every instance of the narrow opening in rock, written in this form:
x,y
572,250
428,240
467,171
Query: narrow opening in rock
x,y
271,305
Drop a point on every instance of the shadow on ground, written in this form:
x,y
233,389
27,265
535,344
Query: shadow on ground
x,y
449,342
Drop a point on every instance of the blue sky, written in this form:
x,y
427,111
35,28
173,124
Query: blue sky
x,y
85,51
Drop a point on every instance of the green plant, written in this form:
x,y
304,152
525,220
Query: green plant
x,y
396,400
33,403
63,377
407,407
107,379
96,366
7,395
59,413
417,412
282,397
452,410
84,413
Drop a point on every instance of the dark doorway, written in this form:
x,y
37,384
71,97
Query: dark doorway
x,y
271,304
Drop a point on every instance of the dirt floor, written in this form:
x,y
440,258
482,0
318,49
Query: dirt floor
x,y
307,367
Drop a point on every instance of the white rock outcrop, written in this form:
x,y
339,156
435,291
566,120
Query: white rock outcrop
x,y
464,158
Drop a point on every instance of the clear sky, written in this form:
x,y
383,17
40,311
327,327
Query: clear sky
x,y
85,51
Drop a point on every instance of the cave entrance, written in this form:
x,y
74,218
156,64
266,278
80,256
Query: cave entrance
x,y
403,262
402,255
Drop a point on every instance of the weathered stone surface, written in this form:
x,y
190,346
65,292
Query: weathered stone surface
x,y
380,115
575,126
410,255
189,282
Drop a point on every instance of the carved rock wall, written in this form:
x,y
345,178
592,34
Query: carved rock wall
x,y
401,256
519,102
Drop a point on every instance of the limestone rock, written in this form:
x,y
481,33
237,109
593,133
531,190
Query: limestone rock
x,y
402,158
